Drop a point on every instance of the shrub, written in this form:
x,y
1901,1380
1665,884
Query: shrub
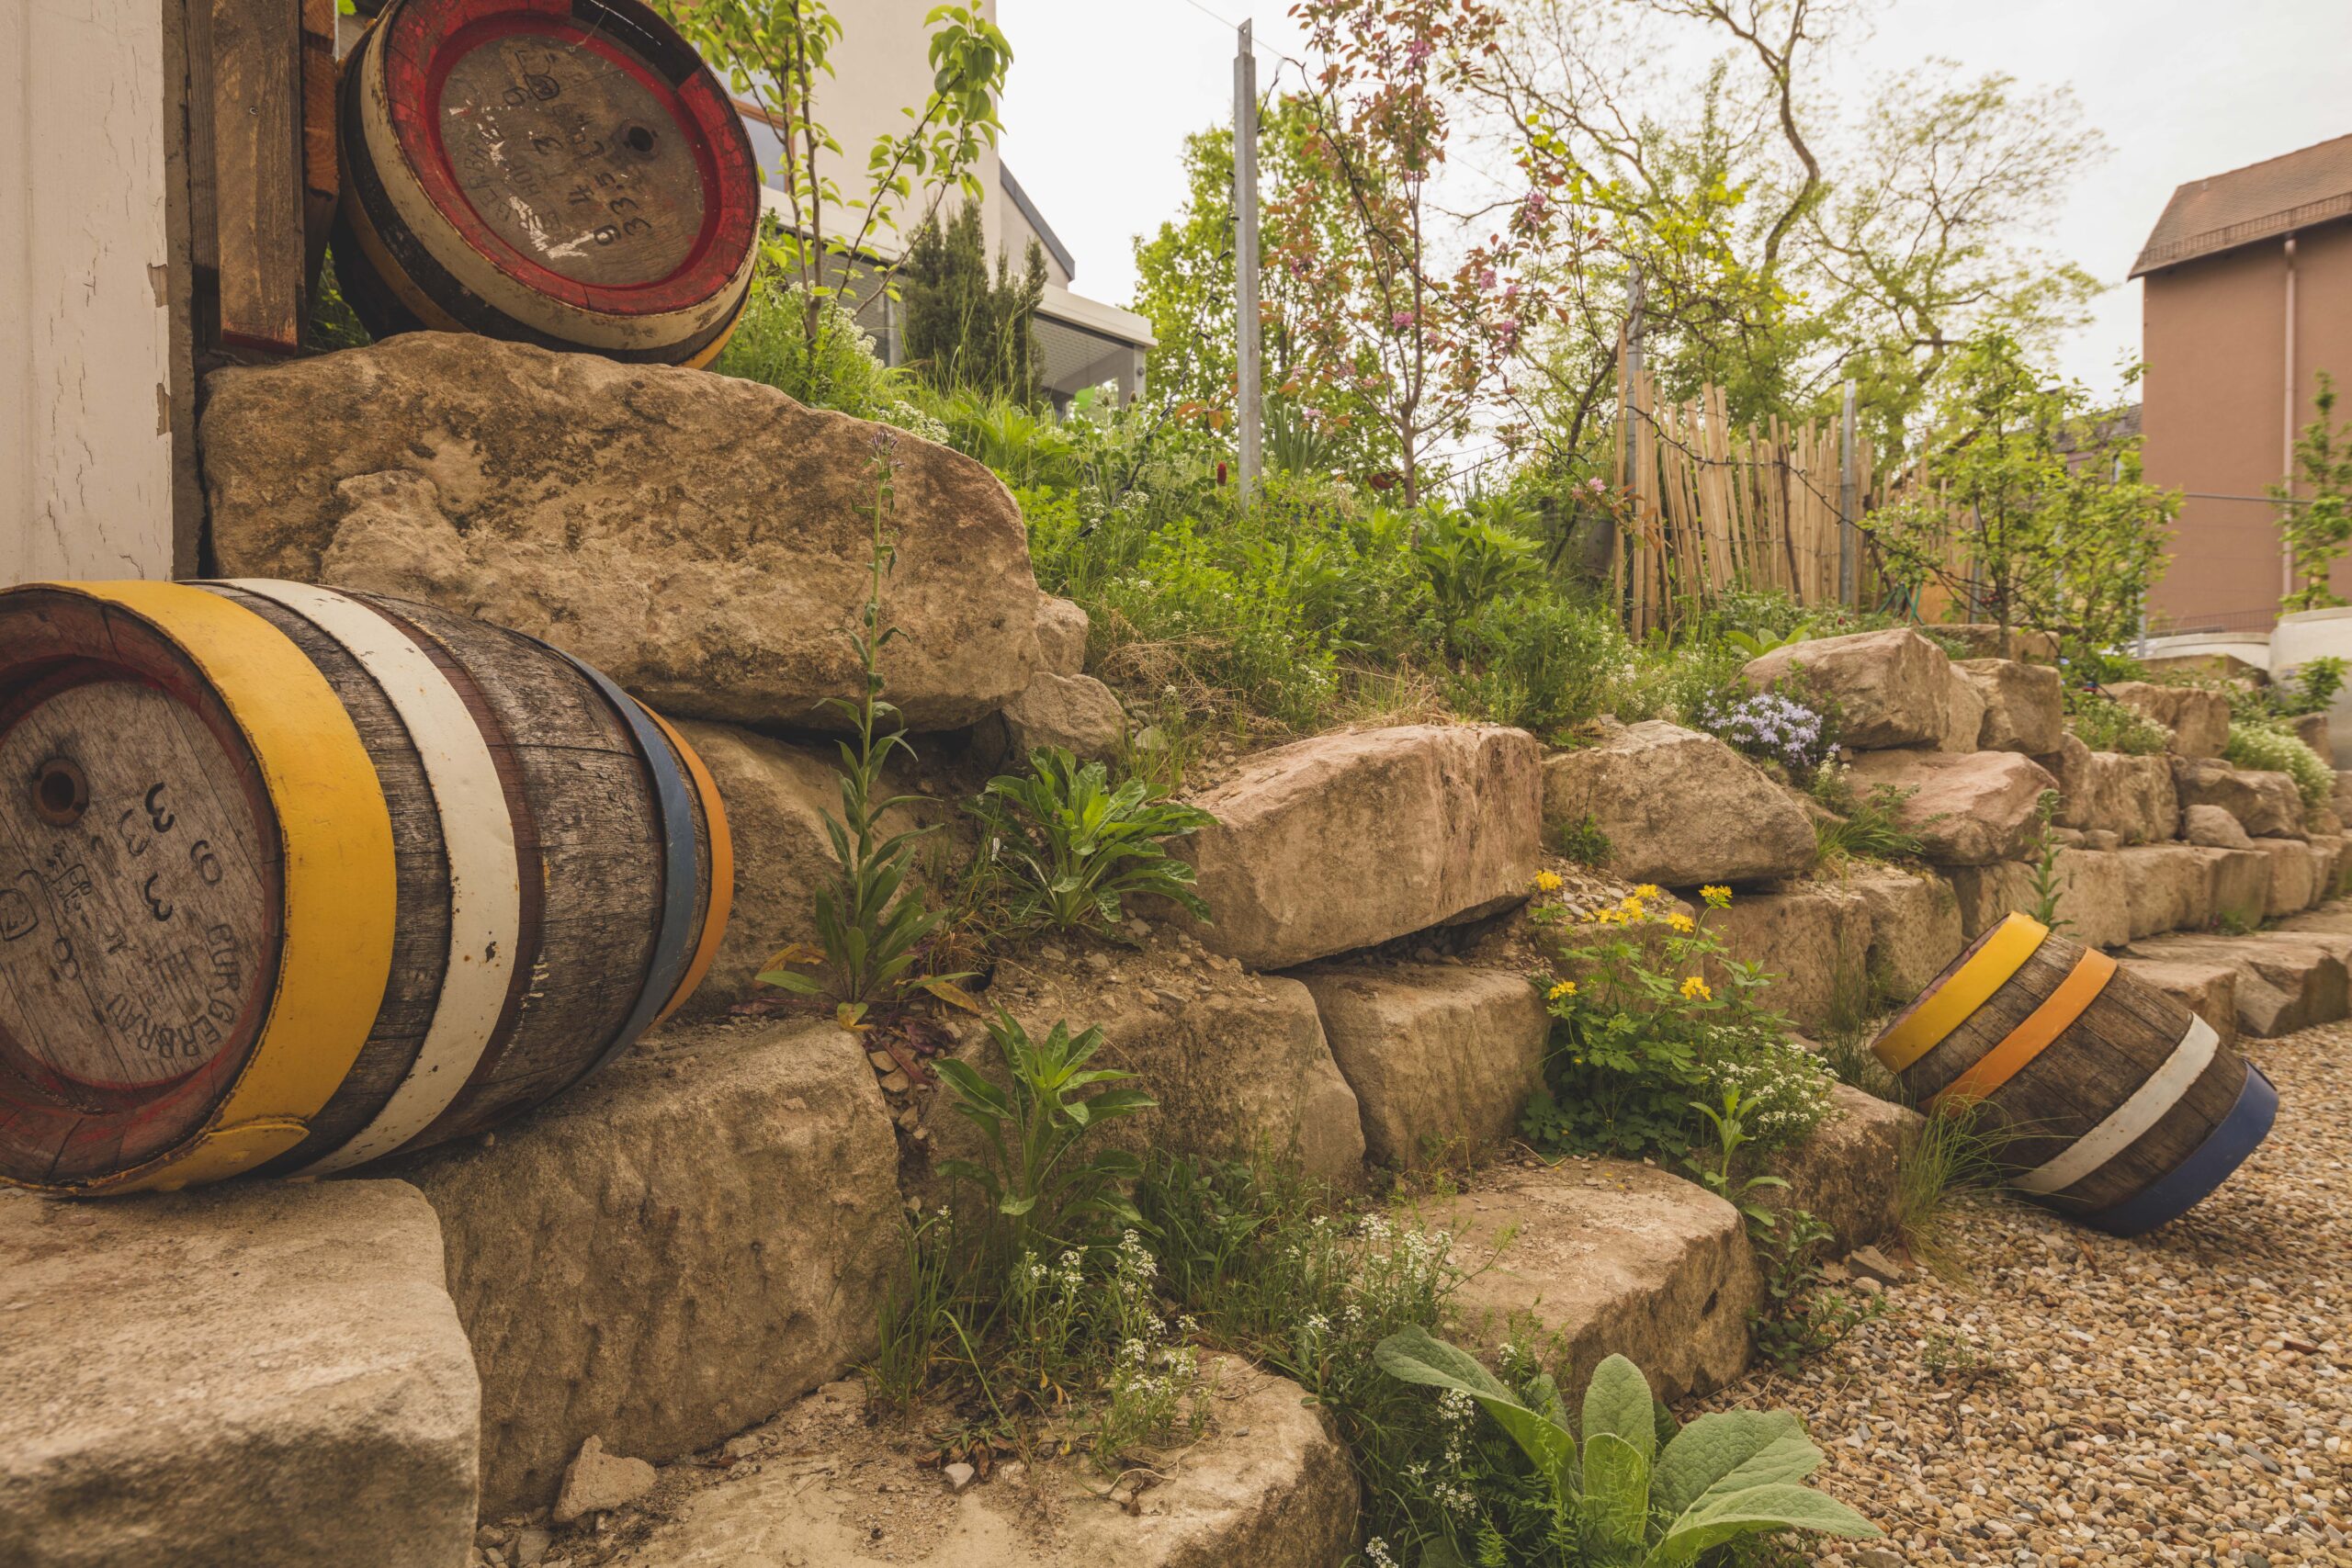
x,y
1584,842
2104,724
839,370
1540,661
2272,748
961,329
2313,689
1864,828
1640,1038
1077,848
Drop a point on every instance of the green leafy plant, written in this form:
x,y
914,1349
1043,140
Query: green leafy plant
x,y
2044,881
1862,827
1756,644
1617,1496
834,368
1079,847
1798,1319
872,925
1584,842
1716,1174
1957,1146
2312,689
1470,560
1039,1182
2270,747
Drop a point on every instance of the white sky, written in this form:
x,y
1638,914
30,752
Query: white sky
x,y
1103,91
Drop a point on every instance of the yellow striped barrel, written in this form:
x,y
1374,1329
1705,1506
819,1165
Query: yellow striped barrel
x,y
2120,1107
292,879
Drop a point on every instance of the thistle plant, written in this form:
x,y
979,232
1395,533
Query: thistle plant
x,y
871,926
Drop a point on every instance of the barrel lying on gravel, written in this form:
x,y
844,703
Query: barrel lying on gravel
x,y
2119,1106
291,879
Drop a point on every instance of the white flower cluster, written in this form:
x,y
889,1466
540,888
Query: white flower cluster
x,y
1784,1085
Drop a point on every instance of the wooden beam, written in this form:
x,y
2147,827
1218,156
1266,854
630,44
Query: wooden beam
x,y
256,57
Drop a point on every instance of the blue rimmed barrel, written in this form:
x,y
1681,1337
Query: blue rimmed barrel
x,y
292,879
564,172
2122,1108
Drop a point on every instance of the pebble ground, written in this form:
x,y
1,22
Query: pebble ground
x,y
2077,1399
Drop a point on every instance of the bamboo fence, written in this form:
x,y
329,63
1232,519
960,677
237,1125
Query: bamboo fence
x,y
1710,506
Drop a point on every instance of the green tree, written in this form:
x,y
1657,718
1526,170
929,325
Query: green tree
x,y
963,330
774,52
2316,524
2027,503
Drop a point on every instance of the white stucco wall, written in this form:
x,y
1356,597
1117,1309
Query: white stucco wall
x,y
85,449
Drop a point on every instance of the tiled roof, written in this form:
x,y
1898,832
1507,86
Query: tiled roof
x,y
2257,202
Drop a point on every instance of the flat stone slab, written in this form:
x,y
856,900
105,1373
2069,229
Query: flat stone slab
x,y
1646,785
1817,937
1591,1258
2206,987
2286,980
249,1376
677,1248
1439,1056
1267,1486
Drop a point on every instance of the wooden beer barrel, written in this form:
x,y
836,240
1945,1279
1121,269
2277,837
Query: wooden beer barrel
x,y
2125,1108
564,172
291,879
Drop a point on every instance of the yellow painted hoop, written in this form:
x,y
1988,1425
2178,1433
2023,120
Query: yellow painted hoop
x,y
2028,1040
340,887
2003,954
720,903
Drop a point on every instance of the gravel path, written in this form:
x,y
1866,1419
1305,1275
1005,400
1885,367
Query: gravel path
x,y
2180,1398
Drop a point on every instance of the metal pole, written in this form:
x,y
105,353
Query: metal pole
x,y
1849,540
1250,389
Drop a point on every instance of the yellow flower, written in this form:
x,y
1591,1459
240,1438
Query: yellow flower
x,y
1646,890
1716,897
1683,924
1547,881
1565,989
1695,989
1631,904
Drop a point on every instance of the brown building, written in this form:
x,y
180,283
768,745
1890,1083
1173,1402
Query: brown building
x,y
2247,296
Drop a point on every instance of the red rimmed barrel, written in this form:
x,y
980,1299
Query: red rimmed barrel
x,y
564,172
292,879
2122,1108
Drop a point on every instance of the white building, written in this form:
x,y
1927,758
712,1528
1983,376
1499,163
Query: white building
x,y
881,68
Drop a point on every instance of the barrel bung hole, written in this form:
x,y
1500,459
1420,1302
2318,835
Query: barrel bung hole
x,y
639,138
60,792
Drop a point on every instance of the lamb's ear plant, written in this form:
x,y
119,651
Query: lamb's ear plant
x,y
1625,1500
1079,848
870,931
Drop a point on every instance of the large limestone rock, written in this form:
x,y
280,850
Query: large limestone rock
x,y
1964,709
2110,792
1893,688
1439,1057
2266,804
1844,1174
703,540
1815,938
1967,811
676,1250
2213,829
1062,630
2094,895
2205,988
2294,876
1266,1484
777,795
2237,883
1347,841
1076,713
1680,808
2199,719
1238,1062
1985,640
1606,1258
2311,729
1916,928
260,1375
2286,980
2168,888
2024,705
